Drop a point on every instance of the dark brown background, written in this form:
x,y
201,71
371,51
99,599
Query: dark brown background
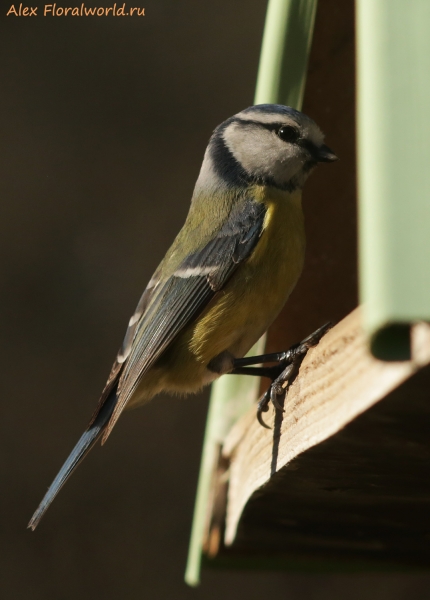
x,y
103,124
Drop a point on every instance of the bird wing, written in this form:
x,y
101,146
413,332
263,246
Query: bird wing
x,y
171,305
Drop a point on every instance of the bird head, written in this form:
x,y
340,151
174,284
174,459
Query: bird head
x,y
267,144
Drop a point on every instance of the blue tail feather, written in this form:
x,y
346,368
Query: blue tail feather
x,y
84,445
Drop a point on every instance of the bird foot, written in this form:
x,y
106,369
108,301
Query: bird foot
x,y
286,371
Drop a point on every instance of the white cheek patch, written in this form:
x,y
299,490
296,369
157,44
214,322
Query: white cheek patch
x,y
251,145
261,153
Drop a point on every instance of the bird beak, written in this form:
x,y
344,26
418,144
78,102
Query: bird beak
x,y
324,154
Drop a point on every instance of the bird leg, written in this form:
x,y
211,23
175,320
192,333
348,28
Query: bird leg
x,y
281,374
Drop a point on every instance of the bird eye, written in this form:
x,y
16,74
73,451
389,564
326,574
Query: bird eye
x,y
287,133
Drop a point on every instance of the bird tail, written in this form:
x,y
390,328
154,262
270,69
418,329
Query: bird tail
x,y
84,445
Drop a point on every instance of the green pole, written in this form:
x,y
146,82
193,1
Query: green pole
x,y
393,101
285,51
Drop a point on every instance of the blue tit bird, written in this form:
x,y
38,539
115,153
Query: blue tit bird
x,y
227,274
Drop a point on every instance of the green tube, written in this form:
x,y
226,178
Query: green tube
x,y
393,100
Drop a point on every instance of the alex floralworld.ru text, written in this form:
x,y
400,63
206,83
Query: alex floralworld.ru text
x,y
52,10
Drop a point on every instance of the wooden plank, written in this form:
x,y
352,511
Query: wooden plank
x,y
338,381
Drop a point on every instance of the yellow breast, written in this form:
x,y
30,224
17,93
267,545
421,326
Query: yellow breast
x,y
259,288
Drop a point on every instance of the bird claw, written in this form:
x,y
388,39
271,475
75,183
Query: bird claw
x,y
263,406
275,391
290,364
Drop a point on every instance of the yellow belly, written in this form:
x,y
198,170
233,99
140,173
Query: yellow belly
x,y
255,294
239,314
